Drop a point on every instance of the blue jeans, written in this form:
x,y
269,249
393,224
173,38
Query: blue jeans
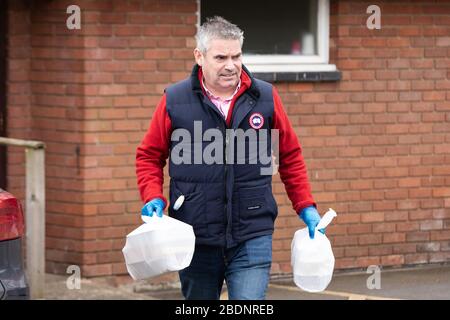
x,y
245,268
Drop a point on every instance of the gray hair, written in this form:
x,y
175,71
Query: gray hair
x,y
217,28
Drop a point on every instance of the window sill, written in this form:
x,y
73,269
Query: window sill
x,y
306,76
311,72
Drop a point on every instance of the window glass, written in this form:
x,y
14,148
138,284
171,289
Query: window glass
x,y
274,27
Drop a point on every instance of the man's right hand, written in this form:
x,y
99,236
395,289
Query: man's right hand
x,y
156,205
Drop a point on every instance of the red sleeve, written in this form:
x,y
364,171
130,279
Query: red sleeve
x,y
292,167
152,153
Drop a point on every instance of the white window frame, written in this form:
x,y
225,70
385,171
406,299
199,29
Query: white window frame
x,y
294,63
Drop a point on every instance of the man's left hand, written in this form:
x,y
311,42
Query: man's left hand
x,y
311,218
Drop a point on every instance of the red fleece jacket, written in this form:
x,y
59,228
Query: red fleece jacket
x,y
153,152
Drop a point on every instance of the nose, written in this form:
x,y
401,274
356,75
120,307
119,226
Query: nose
x,y
229,65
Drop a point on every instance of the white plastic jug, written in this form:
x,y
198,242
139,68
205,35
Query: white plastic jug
x,y
312,260
159,246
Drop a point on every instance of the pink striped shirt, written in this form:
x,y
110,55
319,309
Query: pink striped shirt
x,y
222,104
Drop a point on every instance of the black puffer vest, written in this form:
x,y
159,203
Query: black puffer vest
x,y
230,200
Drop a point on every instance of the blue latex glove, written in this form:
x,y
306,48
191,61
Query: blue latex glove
x,y
156,205
311,218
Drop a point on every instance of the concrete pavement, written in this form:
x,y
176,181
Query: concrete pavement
x,y
425,282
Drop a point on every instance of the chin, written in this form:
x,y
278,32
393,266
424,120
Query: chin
x,y
231,83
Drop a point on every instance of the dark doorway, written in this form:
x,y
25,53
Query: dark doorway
x,y
3,55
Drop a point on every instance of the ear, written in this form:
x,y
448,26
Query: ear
x,y
198,55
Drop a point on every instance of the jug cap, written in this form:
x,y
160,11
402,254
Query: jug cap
x,y
326,219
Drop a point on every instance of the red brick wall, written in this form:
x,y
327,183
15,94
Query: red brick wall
x,y
18,92
91,94
138,47
377,143
399,138
45,102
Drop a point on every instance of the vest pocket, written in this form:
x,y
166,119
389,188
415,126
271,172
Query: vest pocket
x,y
257,211
192,211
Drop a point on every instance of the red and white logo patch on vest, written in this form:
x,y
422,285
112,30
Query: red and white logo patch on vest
x,y
256,120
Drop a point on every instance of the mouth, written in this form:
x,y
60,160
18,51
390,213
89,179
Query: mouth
x,y
228,76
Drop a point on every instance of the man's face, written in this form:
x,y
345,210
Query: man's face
x,y
221,65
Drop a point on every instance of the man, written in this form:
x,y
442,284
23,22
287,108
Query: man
x,y
229,203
